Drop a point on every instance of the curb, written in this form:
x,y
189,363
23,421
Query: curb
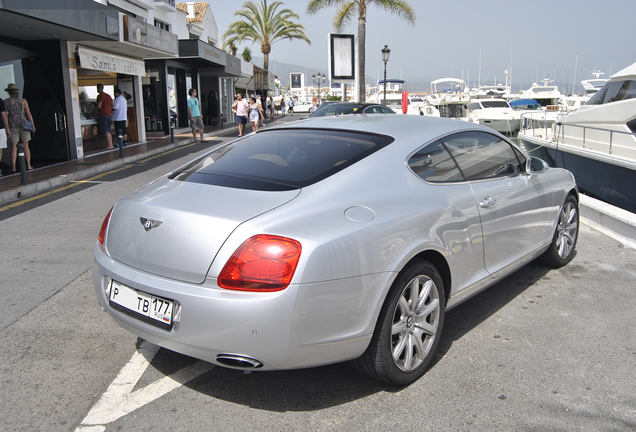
x,y
32,189
612,221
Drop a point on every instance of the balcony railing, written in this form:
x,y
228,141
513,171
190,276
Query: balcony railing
x,y
167,4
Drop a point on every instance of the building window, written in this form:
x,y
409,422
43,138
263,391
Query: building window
x,y
162,25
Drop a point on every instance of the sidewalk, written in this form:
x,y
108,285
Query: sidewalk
x,y
54,176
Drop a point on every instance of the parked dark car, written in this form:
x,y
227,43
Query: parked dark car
x,y
340,108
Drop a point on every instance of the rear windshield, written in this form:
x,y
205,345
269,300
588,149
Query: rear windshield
x,y
278,160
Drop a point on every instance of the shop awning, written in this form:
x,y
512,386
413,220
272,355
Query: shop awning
x,y
204,55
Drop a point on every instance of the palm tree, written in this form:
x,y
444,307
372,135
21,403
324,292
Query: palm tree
x,y
231,48
346,10
247,54
264,25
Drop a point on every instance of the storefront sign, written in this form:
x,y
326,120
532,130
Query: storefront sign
x,y
247,69
97,60
233,66
112,25
141,33
198,48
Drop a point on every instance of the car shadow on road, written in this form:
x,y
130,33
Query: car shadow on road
x,y
328,386
470,314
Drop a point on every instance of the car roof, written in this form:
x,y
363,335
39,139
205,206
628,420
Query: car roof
x,y
405,129
360,104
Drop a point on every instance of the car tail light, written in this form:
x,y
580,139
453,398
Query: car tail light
x,y
102,231
261,263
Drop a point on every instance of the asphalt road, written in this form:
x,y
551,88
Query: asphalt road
x,y
543,350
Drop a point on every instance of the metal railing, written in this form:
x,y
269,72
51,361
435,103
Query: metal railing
x,y
555,130
171,3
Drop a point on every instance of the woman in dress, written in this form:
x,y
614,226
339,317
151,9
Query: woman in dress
x,y
18,110
254,111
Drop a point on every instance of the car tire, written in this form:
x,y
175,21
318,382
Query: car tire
x,y
409,327
566,234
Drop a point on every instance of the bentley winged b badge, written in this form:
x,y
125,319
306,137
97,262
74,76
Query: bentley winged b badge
x,y
149,223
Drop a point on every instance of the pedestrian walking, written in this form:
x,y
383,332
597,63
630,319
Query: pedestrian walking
x,y
255,111
17,111
240,105
120,116
291,106
272,108
104,109
282,105
5,131
261,114
194,113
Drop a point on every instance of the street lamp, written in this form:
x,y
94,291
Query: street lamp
x,y
385,58
318,80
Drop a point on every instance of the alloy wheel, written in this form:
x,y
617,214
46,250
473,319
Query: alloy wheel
x,y
567,230
415,323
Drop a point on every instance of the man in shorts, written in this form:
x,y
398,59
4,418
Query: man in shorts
x,y
104,109
241,112
194,113
5,133
120,116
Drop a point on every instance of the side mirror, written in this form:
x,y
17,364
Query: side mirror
x,y
535,165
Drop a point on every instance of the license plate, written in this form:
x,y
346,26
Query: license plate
x,y
156,308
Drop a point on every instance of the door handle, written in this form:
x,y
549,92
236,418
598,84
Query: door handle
x,y
487,202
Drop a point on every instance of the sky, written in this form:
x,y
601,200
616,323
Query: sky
x,y
532,39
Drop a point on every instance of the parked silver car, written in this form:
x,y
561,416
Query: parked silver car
x,y
332,239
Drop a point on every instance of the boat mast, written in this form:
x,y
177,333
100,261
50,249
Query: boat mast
x,y
576,63
479,78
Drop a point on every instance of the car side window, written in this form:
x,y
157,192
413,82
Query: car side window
x,y
434,164
372,110
481,155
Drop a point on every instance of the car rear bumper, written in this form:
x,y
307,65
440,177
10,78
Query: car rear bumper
x,y
301,326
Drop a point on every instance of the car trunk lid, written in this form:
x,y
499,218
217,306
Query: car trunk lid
x,y
174,229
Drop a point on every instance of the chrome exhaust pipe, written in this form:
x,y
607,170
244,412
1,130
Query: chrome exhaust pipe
x,y
238,361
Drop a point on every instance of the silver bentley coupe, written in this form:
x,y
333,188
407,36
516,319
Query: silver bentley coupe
x,y
329,240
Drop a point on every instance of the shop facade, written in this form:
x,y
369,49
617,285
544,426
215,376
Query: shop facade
x,y
34,55
201,66
57,52
107,64
255,81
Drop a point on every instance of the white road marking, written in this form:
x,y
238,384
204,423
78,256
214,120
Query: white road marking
x,y
119,399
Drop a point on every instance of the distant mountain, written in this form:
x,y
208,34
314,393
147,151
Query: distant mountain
x,y
419,85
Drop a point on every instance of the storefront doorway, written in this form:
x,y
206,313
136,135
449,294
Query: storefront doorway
x,y
92,140
49,145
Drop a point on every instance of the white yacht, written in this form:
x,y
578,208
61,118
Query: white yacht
x,y
550,100
547,94
494,113
595,83
491,92
597,142
448,98
573,102
395,89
